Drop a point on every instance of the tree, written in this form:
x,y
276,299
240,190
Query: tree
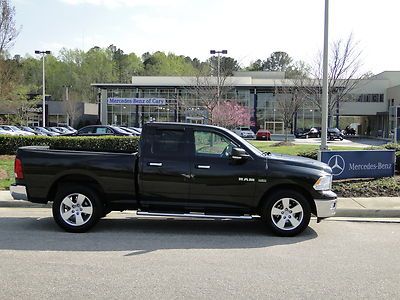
x,y
209,92
344,75
8,30
71,101
230,114
228,65
278,61
288,99
257,65
160,64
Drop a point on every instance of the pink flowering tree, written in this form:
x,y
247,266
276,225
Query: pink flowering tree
x,y
230,114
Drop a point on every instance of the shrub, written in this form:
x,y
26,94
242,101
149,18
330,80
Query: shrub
x,y
10,144
313,154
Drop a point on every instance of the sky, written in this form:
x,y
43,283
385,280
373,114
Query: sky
x,y
249,30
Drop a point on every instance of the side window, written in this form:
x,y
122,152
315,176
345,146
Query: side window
x,y
212,144
86,130
101,130
166,143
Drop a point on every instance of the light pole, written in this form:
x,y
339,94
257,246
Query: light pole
x,y
324,100
44,84
67,104
218,68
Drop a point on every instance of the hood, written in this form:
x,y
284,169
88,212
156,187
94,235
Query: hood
x,y
300,161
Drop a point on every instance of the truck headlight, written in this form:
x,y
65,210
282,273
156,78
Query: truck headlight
x,y
324,183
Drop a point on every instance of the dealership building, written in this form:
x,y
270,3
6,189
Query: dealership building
x,y
373,107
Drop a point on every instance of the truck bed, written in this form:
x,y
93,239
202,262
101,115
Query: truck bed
x,y
44,168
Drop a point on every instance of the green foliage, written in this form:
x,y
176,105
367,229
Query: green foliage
x,y
313,154
10,144
6,171
387,187
160,64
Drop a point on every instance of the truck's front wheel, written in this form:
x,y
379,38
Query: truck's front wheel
x,y
76,208
287,213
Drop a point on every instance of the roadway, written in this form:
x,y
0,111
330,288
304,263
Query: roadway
x,y
127,257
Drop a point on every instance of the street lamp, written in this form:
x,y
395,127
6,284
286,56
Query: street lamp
x,y
218,68
44,84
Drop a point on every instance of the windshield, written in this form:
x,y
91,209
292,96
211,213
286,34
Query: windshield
x,y
44,129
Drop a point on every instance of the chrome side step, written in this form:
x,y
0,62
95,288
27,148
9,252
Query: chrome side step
x,y
192,215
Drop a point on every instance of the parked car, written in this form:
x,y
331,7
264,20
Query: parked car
x,y
69,128
99,130
244,132
63,130
54,129
335,134
349,130
28,129
263,134
5,132
180,170
313,132
138,129
129,130
16,130
44,131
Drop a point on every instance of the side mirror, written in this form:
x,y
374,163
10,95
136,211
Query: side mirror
x,y
239,154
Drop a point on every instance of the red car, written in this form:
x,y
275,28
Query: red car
x,y
263,134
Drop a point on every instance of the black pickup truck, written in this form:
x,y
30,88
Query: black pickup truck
x,y
185,170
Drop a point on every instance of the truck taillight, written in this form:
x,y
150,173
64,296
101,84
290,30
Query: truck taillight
x,y
19,174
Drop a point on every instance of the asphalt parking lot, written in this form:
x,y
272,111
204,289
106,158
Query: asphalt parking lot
x,y
129,257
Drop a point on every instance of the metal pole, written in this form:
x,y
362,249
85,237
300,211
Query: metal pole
x,y
68,104
324,100
218,74
395,124
44,93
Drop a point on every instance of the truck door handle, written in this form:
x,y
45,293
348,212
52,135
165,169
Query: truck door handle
x,y
202,167
155,164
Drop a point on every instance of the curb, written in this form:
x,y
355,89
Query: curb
x,y
22,204
368,213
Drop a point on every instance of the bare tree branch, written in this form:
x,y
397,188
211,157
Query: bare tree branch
x,y
8,30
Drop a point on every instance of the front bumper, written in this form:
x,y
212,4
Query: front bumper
x,y
325,208
18,192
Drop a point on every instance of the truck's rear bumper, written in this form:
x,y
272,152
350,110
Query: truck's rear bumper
x,y
18,192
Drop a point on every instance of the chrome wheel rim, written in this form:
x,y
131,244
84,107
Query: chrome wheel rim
x,y
287,214
76,209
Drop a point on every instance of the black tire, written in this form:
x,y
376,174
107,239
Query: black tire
x,y
279,214
81,206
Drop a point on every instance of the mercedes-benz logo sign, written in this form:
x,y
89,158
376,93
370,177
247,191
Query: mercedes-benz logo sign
x,y
337,164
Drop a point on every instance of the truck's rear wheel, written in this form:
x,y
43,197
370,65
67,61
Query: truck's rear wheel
x,y
286,213
76,208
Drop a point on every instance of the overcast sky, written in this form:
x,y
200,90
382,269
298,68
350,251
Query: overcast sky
x,y
248,29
